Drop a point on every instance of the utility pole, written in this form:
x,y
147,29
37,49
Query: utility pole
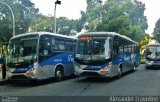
x,y
57,2
13,18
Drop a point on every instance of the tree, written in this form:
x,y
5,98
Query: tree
x,y
81,22
122,16
23,11
144,41
65,26
156,32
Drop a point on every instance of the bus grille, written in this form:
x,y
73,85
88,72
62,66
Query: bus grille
x,y
90,74
19,77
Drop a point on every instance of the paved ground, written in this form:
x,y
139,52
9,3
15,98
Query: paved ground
x,y
142,82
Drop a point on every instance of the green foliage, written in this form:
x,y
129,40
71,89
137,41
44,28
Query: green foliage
x,y
122,16
63,25
66,26
23,11
144,41
42,23
157,31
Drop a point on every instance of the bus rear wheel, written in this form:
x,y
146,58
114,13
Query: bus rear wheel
x,y
58,74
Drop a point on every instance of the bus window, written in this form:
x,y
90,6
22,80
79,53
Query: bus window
x,y
54,45
116,48
120,45
99,48
130,48
58,45
94,49
107,47
70,46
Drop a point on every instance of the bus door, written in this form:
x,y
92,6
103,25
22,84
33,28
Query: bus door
x,y
128,64
117,59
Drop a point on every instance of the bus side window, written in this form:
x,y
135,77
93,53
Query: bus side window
x,y
70,45
130,48
61,45
115,46
54,45
121,46
74,46
58,45
137,49
45,49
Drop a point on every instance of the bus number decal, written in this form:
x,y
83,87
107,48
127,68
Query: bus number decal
x,y
70,58
57,60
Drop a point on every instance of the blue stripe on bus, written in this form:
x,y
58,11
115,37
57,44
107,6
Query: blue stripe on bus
x,y
61,58
98,67
125,57
65,58
21,70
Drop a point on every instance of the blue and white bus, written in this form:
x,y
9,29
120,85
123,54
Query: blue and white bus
x,y
105,54
40,55
152,55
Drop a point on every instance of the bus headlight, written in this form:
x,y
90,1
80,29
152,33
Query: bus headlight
x,y
35,65
104,70
30,72
149,62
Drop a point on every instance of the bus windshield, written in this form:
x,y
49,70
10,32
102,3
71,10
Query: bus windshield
x,y
22,51
153,53
95,49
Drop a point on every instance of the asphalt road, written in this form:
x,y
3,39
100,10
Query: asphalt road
x,y
139,83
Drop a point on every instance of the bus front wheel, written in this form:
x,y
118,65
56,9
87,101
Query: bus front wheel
x,y
134,67
58,74
119,73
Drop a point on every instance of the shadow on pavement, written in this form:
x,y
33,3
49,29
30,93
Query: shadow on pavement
x,y
33,83
153,68
104,80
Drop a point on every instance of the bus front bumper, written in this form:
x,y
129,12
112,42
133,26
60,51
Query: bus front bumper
x,y
155,64
19,76
91,73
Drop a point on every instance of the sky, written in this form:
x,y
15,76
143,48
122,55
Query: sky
x,y
68,8
71,9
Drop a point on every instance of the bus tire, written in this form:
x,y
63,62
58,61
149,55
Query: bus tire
x,y
119,73
147,67
134,67
59,73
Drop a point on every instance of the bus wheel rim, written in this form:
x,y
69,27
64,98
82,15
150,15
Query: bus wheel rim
x,y
134,68
59,74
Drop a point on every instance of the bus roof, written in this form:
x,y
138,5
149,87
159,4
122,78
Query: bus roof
x,y
151,44
43,33
104,34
